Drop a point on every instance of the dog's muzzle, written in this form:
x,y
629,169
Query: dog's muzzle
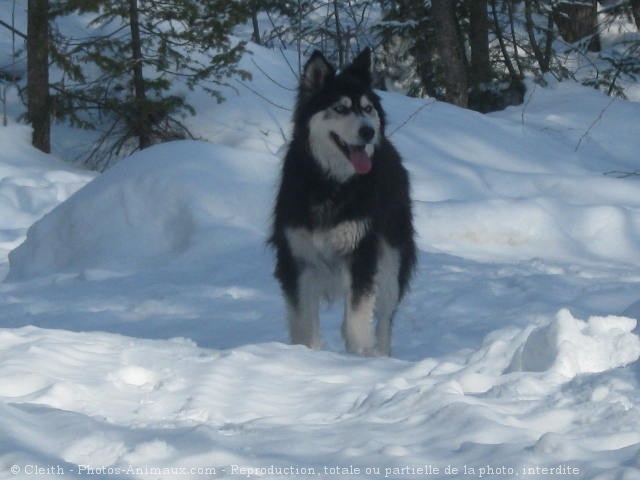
x,y
357,154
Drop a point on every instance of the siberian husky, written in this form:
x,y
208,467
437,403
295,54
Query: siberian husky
x,y
342,222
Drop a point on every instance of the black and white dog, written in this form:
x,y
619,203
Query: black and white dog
x,y
342,221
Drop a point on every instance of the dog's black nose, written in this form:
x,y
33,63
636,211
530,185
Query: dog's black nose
x,y
366,133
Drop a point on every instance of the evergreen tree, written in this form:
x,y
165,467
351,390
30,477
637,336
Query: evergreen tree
x,y
273,10
434,47
442,49
339,29
126,69
407,55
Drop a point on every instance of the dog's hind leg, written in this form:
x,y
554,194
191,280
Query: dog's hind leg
x,y
303,312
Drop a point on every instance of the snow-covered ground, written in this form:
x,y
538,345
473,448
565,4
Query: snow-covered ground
x,y
144,337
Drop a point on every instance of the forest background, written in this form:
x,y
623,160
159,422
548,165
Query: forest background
x,y
113,65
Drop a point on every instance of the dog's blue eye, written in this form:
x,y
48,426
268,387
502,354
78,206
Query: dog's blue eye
x,y
341,109
368,109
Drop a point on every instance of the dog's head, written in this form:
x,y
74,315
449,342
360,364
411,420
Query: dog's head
x,y
340,115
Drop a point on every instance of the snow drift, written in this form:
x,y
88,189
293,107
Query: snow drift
x,y
31,184
160,204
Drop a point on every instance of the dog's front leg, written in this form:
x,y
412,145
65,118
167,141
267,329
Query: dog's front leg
x,y
388,295
358,328
304,311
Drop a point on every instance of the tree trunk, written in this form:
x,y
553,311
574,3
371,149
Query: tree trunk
x,y
255,8
39,103
577,20
425,68
256,28
142,120
451,53
480,67
339,42
635,10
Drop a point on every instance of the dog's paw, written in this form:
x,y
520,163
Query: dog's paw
x,y
369,351
375,352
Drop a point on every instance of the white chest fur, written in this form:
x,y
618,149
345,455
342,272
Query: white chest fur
x,y
326,245
323,254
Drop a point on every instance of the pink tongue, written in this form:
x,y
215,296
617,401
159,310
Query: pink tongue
x,y
360,160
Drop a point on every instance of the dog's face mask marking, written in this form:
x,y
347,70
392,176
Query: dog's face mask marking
x,y
344,135
343,132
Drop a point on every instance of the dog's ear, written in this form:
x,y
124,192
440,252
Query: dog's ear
x,y
317,72
361,66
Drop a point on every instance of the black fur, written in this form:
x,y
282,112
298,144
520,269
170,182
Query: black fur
x,y
310,198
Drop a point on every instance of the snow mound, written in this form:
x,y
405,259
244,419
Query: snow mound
x,y
164,203
31,184
590,123
517,185
569,346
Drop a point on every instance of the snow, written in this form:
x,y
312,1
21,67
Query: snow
x,y
143,335
171,201
31,184
570,346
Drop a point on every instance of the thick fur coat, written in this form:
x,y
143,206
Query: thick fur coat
x,y
342,222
